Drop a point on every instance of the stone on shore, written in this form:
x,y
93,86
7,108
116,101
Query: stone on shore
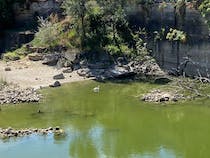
x,y
10,132
7,69
68,70
35,57
51,59
13,94
58,77
55,84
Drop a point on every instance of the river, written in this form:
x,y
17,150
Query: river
x,y
113,123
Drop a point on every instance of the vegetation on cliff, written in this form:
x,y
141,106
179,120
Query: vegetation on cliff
x,y
103,26
205,10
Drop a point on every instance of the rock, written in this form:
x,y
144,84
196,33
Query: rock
x,y
120,72
10,132
67,64
7,69
35,56
148,68
32,49
76,67
70,56
69,70
11,58
121,61
12,94
62,62
57,128
161,96
58,77
83,63
162,80
99,65
55,84
51,59
83,72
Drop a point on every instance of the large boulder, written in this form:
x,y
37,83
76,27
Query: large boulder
x,y
62,62
70,56
58,77
120,72
68,70
83,72
148,68
32,49
51,59
35,56
162,80
55,84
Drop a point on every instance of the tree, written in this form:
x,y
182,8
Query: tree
x,y
78,10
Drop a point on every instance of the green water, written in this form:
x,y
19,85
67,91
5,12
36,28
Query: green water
x,y
110,124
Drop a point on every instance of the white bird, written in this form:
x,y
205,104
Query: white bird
x,y
96,89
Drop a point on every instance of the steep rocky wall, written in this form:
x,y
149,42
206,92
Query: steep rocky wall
x,y
25,24
168,54
153,19
26,14
169,57
14,39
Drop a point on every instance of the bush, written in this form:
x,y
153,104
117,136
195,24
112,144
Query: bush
x,y
47,34
55,34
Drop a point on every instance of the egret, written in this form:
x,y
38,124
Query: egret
x,y
96,89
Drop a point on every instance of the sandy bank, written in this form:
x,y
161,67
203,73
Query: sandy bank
x,y
27,73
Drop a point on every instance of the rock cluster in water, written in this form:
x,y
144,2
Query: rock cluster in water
x,y
10,132
13,94
162,96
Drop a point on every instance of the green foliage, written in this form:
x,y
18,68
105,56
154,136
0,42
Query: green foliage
x,y
55,34
159,35
205,10
102,25
15,55
141,50
176,35
47,34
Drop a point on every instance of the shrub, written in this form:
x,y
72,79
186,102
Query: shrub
x,y
52,34
176,35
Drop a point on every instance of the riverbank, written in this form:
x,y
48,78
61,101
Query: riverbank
x,y
24,77
33,74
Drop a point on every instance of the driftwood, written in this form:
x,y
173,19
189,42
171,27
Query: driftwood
x,y
180,71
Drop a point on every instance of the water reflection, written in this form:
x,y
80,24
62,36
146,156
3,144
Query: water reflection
x,y
109,124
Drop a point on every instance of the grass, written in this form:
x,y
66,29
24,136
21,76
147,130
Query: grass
x,y
15,55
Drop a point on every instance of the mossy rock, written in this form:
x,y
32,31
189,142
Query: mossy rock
x,y
11,57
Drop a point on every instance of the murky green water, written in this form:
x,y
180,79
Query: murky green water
x,y
109,124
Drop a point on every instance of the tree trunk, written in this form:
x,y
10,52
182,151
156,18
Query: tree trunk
x,y
178,54
83,33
